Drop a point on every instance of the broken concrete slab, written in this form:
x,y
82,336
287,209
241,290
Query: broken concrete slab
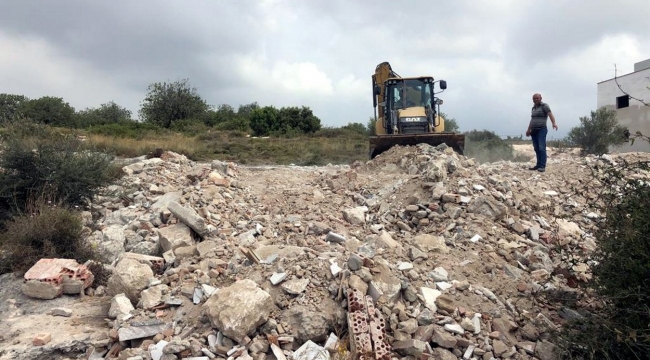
x,y
189,217
238,309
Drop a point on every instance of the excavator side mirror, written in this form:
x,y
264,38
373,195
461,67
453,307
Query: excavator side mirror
x,y
443,84
377,90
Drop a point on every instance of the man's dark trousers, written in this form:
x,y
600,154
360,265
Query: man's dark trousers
x,y
539,144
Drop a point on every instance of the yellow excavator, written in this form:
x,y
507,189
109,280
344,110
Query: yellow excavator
x,y
407,112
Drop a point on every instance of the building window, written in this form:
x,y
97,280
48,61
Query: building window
x,y
622,101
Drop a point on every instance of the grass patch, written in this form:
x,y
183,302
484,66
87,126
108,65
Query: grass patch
x,y
235,146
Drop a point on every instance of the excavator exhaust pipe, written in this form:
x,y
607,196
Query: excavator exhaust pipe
x,y
381,143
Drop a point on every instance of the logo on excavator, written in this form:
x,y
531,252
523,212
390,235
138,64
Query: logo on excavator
x,y
411,119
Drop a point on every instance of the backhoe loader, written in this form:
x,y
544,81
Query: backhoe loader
x,y
407,112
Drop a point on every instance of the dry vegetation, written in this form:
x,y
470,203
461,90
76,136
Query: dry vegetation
x,y
236,146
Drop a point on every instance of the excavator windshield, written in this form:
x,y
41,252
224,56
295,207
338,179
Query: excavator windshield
x,y
410,93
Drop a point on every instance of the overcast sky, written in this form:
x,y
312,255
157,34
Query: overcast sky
x,y
321,53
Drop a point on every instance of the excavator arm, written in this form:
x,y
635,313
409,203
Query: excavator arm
x,y
383,72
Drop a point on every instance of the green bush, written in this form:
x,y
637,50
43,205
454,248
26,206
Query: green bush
x,y
49,110
238,123
190,127
597,133
370,126
54,165
108,113
347,131
11,107
487,146
43,231
126,129
287,121
620,271
167,103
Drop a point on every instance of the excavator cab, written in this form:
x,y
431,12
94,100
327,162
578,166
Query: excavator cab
x,y
407,112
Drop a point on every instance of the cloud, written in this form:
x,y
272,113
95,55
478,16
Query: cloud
x,y
25,72
322,53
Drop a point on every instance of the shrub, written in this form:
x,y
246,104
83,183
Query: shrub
x,y
370,126
126,129
487,146
345,131
55,165
49,110
620,270
358,128
287,121
191,127
11,107
108,113
237,123
597,133
43,231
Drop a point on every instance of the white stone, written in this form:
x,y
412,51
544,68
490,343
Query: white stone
x,y
440,274
120,306
335,268
277,278
476,320
475,238
208,290
455,329
430,295
468,353
443,285
404,266
311,351
156,350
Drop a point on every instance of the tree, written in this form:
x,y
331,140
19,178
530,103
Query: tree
x,y
451,124
264,120
11,107
49,110
301,120
166,103
370,126
108,113
246,110
271,121
596,133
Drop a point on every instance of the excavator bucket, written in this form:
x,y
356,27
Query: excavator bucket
x,y
381,143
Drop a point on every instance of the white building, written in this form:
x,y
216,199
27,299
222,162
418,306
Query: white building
x,y
629,112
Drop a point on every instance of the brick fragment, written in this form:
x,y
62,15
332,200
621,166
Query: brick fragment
x,y
41,339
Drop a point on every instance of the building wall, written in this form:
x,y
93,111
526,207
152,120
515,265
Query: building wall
x,y
636,117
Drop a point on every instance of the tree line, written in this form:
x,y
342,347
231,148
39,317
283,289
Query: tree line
x,y
178,106
170,105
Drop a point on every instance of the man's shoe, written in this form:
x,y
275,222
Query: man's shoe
x,y
541,169
533,168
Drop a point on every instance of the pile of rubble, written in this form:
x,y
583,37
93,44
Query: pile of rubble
x,y
417,253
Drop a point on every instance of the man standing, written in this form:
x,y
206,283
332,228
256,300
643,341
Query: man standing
x,y
537,130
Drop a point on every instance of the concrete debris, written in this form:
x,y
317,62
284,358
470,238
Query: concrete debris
x,y
239,309
418,253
